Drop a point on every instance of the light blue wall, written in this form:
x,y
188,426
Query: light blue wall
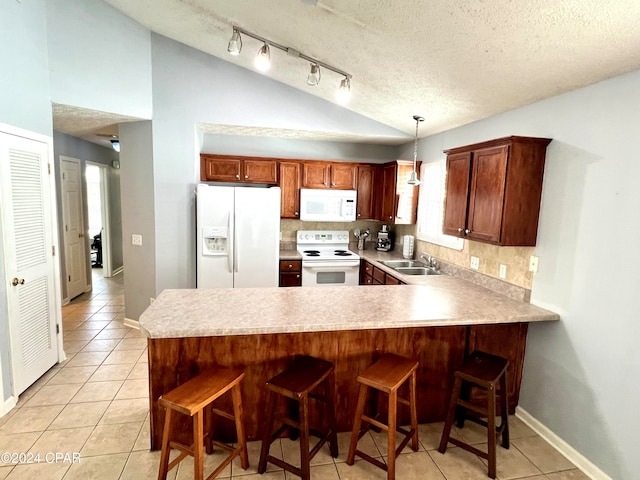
x,y
99,59
24,103
581,374
302,149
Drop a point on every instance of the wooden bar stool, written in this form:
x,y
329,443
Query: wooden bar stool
x,y
484,371
387,375
300,382
192,398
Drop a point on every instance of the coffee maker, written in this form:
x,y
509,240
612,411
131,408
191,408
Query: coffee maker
x,y
385,239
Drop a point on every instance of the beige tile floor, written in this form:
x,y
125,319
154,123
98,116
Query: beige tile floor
x,y
96,404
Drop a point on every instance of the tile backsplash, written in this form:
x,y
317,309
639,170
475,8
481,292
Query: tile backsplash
x,y
516,259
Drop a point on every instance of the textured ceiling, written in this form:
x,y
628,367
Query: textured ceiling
x,y
452,62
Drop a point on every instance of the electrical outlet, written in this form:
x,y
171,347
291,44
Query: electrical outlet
x,y
475,263
136,239
503,271
533,264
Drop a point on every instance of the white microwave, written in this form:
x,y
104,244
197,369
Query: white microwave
x,y
318,205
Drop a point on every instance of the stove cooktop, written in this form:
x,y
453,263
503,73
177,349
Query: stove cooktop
x,y
324,245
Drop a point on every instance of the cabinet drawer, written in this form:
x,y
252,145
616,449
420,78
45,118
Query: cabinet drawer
x,y
290,279
290,266
368,269
378,275
390,280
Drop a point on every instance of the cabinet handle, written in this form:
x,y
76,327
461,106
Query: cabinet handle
x,y
238,176
325,184
15,282
390,217
467,231
298,276
333,184
246,176
296,213
290,266
358,214
460,230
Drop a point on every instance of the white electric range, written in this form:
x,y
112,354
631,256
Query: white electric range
x,y
326,258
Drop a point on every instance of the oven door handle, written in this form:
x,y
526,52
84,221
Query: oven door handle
x,y
355,263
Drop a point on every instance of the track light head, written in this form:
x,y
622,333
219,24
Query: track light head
x,y
235,43
344,92
263,59
314,75
116,145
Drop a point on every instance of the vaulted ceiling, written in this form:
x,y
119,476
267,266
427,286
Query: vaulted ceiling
x,y
451,61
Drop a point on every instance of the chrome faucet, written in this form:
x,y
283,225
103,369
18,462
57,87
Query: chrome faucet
x,y
361,236
431,262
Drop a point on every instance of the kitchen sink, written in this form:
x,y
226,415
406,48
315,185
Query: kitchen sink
x,y
416,270
403,263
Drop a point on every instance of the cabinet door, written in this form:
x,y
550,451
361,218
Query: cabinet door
x,y
290,279
366,177
457,193
260,171
487,193
388,190
221,170
315,175
290,189
343,177
389,280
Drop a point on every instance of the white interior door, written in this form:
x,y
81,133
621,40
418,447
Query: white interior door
x,y
27,223
73,219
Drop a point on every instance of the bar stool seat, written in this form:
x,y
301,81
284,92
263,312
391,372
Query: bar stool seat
x,y
301,381
484,371
192,398
386,375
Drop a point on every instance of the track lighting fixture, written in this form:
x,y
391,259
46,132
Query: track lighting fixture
x,y
314,75
263,61
116,145
413,179
235,44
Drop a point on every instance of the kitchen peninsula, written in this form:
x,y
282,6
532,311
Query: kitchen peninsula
x,y
261,329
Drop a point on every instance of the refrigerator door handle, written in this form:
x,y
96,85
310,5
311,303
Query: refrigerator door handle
x,y
229,247
235,244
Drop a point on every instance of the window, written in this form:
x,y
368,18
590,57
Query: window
x,y
431,206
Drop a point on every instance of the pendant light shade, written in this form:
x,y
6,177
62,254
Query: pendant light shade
x,y
263,59
344,92
235,44
413,179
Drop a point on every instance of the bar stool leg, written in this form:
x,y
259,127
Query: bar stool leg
x,y
491,429
208,428
331,414
414,412
238,415
164,455
198,451
304,438
451,413
362,396
504,411
391,435
266,437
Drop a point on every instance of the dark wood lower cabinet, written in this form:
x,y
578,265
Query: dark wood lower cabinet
x,y
440,350
290,273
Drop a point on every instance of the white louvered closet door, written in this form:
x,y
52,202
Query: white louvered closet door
x,y
27,223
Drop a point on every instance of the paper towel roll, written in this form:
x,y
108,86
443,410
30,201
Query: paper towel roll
x,y
407,246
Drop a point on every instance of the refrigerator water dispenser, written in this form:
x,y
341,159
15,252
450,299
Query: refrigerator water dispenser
x,y
214,240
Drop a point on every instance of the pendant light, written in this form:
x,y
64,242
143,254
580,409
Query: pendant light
x,y
263,59
413,179
314,75
235,44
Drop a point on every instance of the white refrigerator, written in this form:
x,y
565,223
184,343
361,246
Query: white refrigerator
x,y
238,236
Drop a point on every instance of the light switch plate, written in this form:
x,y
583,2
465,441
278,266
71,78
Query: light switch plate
x,y
136,239
475,263
503,271
533,264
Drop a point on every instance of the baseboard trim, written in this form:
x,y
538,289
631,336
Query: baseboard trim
x,y
7,406
579,460
117,271
131,323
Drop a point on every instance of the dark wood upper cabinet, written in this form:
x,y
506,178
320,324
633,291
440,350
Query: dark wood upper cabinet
x,y
319,174
398,201
493,190
366,199
229,168
290,189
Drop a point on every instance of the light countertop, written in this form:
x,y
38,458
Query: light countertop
x,y
439,300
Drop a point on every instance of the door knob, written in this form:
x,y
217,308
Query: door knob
x,y
15,282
